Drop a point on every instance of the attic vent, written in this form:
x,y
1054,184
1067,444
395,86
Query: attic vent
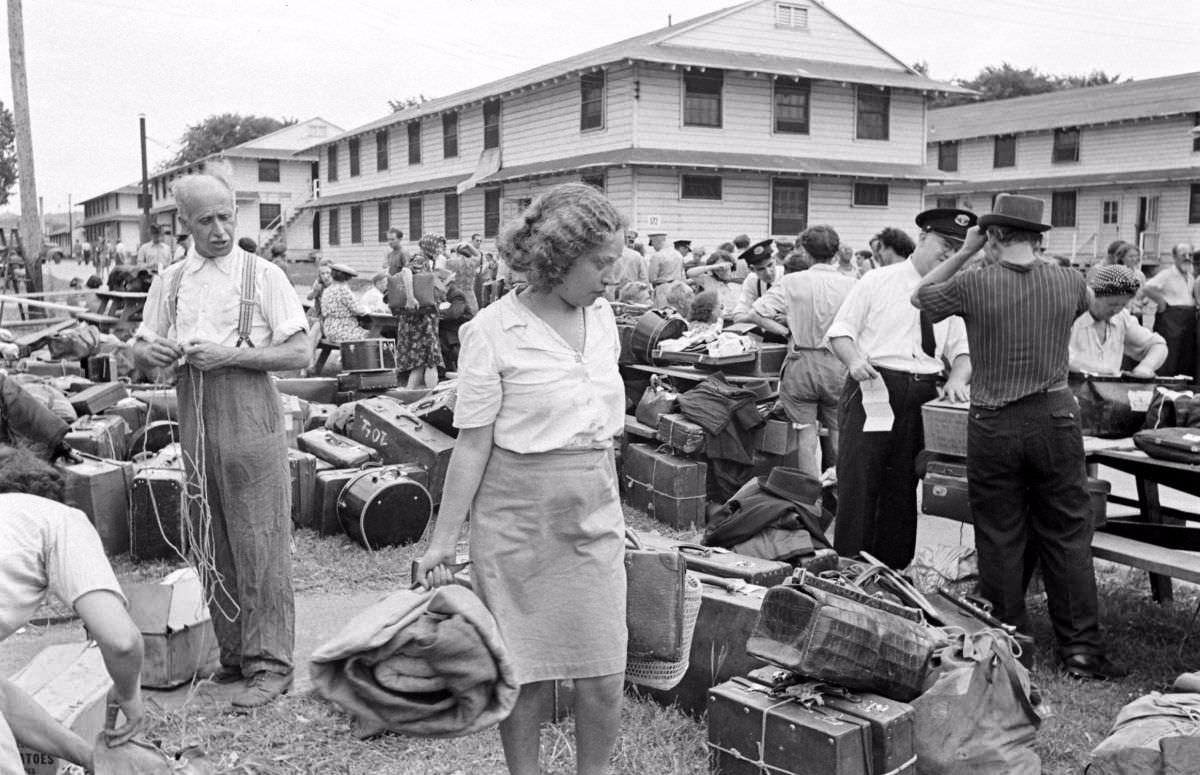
x,y
789,15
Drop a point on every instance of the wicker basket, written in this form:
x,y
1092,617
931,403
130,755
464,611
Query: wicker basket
x,y
657,674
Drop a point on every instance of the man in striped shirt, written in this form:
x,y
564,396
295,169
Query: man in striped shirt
x,y
1025,461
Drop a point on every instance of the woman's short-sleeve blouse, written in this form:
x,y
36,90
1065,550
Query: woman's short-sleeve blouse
x,y
541,394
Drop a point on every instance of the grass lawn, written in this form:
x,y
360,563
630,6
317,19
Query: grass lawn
x,y
304,734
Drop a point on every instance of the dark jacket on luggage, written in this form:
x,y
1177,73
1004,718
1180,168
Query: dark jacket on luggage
x,y
25,420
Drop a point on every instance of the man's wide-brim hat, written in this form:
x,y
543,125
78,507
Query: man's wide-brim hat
x,y
344,269
792,484
1020,212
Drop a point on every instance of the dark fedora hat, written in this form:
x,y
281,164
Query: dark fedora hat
x,y
792,484
1016,210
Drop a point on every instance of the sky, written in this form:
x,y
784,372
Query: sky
x,y
95,65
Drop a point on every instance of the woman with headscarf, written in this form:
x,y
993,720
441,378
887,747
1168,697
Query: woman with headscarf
x,y
417,349
540,400
1107,333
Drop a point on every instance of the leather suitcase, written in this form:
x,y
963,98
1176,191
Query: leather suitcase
x,y
327,489
723,625
336,449
402,438
103,435
944,491
153,437
667,487
680,434
313,389
101,368
132,410
156,514
722,562
50,368
100,489
751,732
317,415
97,398
437,409
304,485
892,732
368,380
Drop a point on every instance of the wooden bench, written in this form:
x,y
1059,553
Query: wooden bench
x,y
103,322
1175,563
324,348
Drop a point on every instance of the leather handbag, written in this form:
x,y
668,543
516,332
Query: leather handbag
x,y
654,609
425,291
397,294
656,401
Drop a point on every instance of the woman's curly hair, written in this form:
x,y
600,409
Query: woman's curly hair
x,y
558,227
24,472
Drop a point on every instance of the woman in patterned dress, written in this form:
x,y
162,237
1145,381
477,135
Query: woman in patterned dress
x,y
417,349
340,308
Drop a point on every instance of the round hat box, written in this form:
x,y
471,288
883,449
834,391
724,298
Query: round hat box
x,y
382,507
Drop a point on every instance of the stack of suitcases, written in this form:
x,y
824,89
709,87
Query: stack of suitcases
x,y
668,479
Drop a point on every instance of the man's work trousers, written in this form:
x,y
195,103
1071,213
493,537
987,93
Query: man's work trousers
x,y
231,426
877,480
1026,480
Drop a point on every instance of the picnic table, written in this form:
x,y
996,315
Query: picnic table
x,y
121,311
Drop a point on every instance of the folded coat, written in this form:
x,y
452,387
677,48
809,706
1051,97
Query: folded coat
x,y
423,663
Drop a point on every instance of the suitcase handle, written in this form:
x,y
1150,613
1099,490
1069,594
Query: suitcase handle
x,y
700,551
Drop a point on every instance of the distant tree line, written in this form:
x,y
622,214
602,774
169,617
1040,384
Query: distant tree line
x,y
1002,82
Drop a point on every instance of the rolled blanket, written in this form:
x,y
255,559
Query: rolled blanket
x,y
423,663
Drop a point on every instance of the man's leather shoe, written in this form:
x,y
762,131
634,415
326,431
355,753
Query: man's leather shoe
x,y
263,688
1093,667
226,674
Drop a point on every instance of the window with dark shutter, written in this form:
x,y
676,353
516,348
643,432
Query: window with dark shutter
x,y
948,157
333,164
1066,146
1004,153
789,206
335,227
702,98
355,146
791,106
268,215
385,219
416,227
700,187
268,172
1062,209
414,142
491,212
871,194
873,112
356,224
491,124
451,206
381,150
591,100
449,135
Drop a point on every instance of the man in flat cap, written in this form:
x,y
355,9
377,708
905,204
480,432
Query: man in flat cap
x,y
666,263
883,339
764,272
1025,461
1107,333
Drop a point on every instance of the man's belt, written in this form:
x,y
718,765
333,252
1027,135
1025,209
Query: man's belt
x,y
932,378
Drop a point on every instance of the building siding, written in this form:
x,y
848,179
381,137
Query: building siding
x,y
753,30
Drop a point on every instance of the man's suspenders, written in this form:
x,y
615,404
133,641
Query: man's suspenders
x,y
245,305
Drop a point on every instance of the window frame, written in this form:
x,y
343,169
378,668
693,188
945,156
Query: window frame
x,y
416,215
383,217
1009,143
491,130
491,212
268,166
794,20
1058,214
778,226
450,138
356,225
413,130
597,180
598,100
382,152
331,163
354,153
948,156
1105,206
860,187
700,179
795,86
870,93
1058,147
265,223
334,231
689,80
1194,204
453,227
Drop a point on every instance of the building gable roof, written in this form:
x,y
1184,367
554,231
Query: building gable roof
x,y
663,46
1131,100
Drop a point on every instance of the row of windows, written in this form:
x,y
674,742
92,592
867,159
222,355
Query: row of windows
x,y
491,139
1063,205
1065,149
789,207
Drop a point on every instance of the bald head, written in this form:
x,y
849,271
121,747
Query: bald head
x,y
1182,253
206,207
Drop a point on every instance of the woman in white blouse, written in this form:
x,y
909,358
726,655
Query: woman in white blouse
x,y
539,402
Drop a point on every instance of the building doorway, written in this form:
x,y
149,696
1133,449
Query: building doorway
x,y
1146,226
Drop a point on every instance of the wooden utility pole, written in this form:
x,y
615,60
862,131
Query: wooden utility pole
x,y
31,230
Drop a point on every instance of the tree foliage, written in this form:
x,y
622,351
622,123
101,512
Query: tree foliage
x,y
407,102
218,132
1005,81
8,153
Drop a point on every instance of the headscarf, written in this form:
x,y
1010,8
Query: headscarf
x,y
1114,280
430,244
